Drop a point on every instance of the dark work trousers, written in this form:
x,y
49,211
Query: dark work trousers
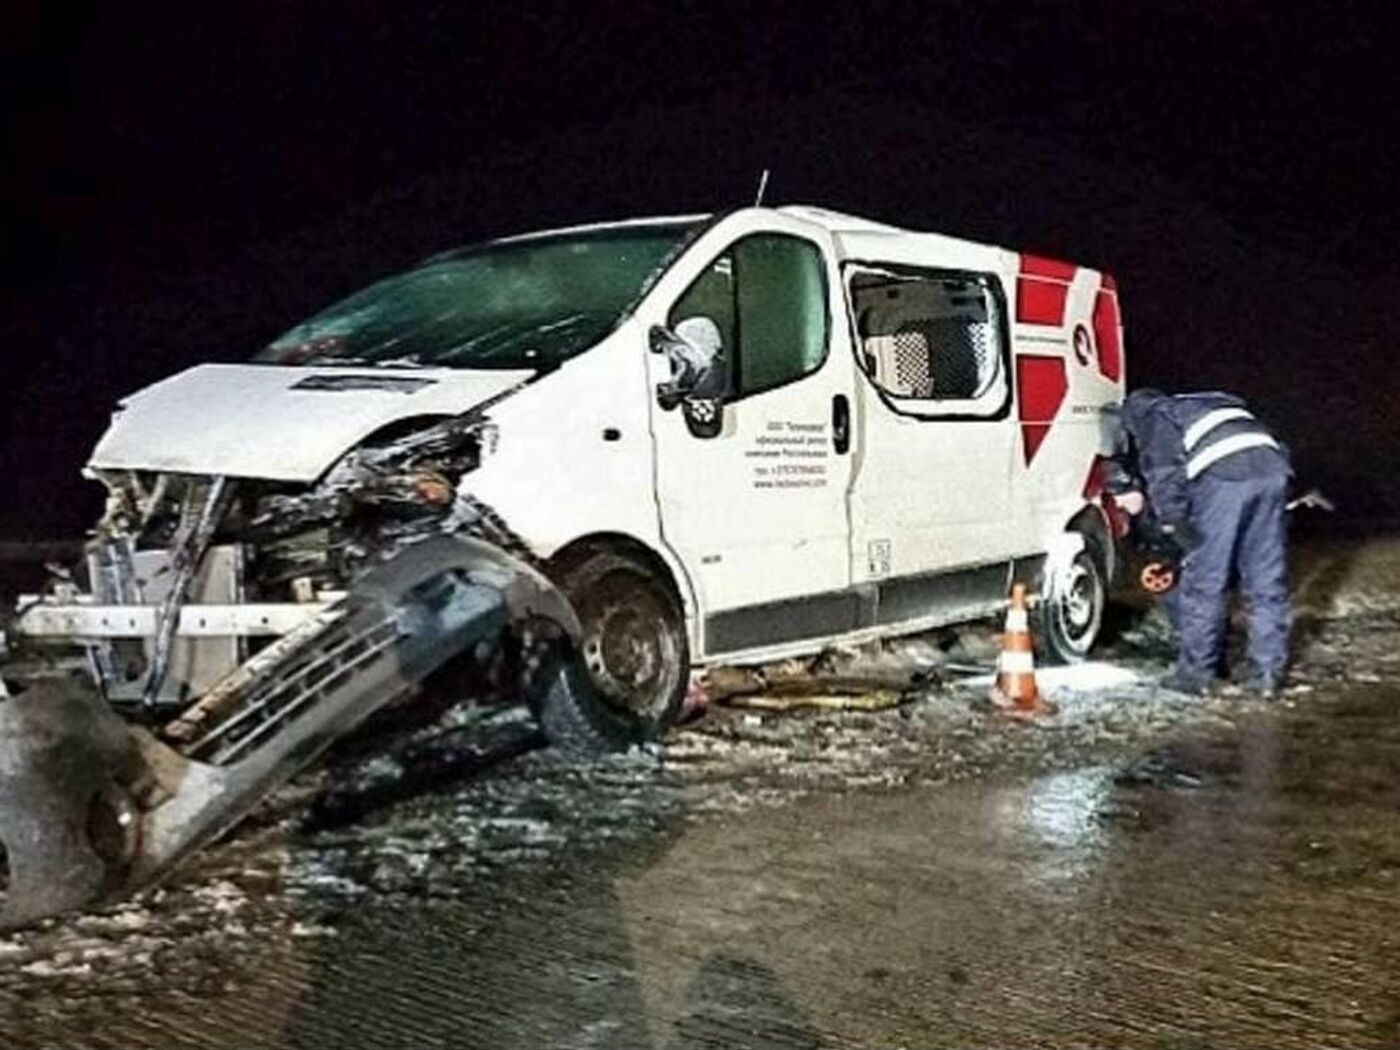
x,y
1240,534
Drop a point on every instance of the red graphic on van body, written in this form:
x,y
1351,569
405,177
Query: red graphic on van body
x,y
1106,331
1041,385
1041,289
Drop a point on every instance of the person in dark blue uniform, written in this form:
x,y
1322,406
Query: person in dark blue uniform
x,y
1217,480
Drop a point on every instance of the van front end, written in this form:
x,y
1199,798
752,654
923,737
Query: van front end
x,y
292,544
220,632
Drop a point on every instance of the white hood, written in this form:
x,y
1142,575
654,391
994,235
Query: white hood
x,y
276,421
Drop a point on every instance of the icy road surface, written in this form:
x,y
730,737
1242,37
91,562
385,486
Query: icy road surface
x,y
1140,870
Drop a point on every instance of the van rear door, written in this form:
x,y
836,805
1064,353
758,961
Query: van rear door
x,y
757,511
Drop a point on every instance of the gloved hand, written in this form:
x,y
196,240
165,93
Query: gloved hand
x,y
1131,502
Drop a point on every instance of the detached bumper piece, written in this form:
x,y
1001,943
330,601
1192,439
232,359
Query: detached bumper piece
x,y
92,807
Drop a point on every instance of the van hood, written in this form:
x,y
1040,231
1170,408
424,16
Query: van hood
x,y
279,422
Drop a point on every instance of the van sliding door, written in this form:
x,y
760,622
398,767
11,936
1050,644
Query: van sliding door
x,y
931,493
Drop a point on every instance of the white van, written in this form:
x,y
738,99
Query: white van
x,y
726,438
653,445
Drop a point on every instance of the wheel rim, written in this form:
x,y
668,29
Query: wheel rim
x,y
631,654
1078,607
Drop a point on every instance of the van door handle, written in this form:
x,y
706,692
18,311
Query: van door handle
x,y
841,424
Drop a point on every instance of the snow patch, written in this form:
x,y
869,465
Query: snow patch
x,y
1091,675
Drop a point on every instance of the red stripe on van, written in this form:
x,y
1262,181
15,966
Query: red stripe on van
x,y
1044,266
1106,334
1041,289
1041,387
1040,302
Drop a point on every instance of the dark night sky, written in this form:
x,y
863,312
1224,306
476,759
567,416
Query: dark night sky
x,y
181,188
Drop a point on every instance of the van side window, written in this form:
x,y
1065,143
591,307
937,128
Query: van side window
x,y
932,342
767,295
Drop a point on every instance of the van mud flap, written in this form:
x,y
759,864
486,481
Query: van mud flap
x,y
92,807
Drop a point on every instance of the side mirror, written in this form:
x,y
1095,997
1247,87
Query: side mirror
x,y
695,351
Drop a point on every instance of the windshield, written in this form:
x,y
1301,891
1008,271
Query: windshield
x,y
519,304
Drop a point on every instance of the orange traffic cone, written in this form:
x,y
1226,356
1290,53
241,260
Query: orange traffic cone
x,y
1015,691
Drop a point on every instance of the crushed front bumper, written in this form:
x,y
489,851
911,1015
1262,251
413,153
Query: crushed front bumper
x,y
92,806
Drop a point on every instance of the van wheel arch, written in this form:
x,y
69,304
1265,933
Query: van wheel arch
x,y
575,552
1098,538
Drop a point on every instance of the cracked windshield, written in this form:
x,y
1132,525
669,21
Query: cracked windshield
x,y
532,303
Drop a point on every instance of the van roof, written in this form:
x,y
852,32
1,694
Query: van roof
x,y
619,224
867,240
856,237
834,221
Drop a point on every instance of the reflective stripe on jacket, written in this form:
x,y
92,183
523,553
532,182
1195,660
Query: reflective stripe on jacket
x,y
1180,438
1206,442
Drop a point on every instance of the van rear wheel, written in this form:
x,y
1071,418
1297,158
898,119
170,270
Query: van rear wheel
x,y
1070,613
628,679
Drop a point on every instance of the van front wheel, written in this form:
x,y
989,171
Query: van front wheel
x,y
629,676
1070,612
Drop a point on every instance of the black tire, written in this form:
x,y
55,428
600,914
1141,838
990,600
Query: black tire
x,y
628,680
1070,613
569,713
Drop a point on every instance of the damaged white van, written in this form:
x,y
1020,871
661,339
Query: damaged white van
x,y
593,459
